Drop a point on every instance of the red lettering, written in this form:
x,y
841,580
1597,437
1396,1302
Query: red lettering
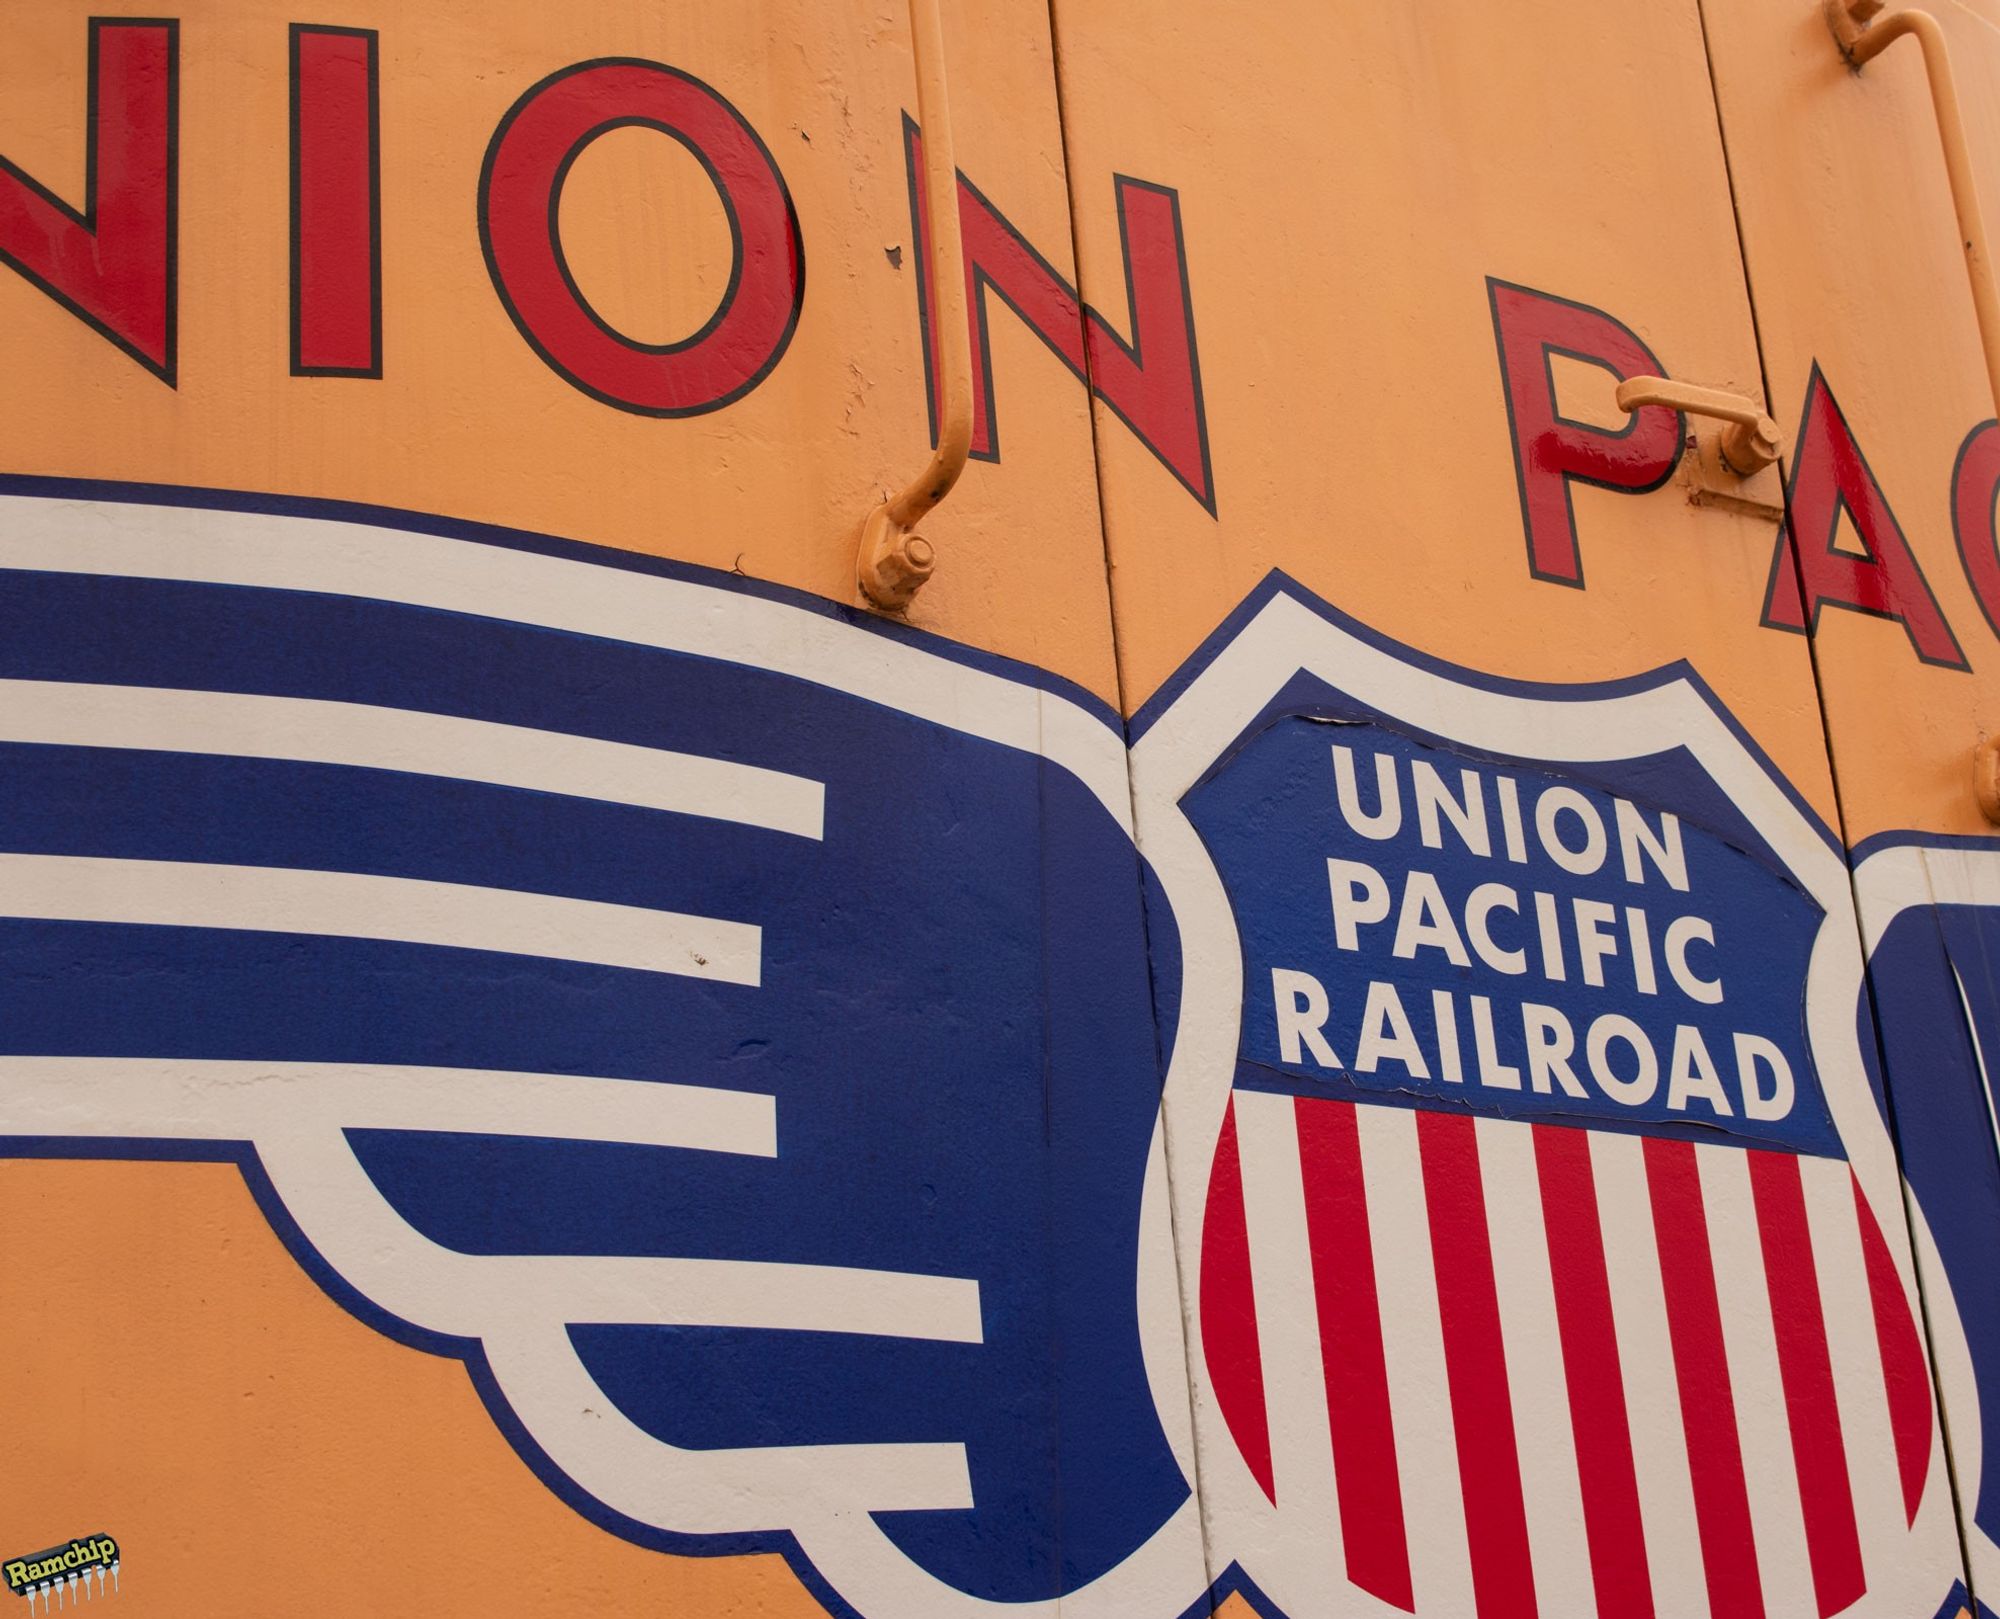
x,y
1551,451
1830,475
1152,384
520,190
336,203
1975,481
113,263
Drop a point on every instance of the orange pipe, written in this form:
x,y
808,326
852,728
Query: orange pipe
x,y
894,561
1862,45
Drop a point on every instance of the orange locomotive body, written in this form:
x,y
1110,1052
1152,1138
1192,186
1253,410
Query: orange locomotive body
x,y
989,808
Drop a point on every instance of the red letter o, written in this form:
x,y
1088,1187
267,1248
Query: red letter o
x,y
520,188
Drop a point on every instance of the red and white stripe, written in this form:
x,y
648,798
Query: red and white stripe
x,y
1485,1367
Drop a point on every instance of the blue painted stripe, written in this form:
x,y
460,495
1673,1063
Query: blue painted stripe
x,y
138,805
107,990
199,498
166,633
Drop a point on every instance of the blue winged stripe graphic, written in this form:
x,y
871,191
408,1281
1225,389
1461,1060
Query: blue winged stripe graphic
x,y
567,943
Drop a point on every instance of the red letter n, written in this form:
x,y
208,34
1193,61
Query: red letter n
x,y
113,263
1829,476
1153,384
1551,451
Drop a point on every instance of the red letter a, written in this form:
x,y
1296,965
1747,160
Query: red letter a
x,y
1829,475
113,263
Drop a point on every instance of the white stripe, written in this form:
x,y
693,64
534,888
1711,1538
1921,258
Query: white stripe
x,y
1413,1339
1274,1209
739,1293
1978,1053
376,563
1756,1383
307,729
1543,1438
472,1295
286,899
1646,1362
202,1099
1858,1387
704,1491
297,1112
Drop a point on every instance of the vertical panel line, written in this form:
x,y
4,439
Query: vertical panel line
x,y
1840,821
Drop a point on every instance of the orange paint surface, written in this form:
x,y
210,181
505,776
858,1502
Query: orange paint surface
x,y
1855,264
1355,407
466,419
186,1387
173,1379
1346,184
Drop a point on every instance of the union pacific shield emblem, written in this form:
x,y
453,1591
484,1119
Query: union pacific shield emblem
x,y
1549,1257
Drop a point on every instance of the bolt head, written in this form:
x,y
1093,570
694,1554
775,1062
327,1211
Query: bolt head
x,y
1986,778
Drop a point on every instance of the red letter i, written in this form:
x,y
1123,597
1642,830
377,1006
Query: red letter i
x,y
336,204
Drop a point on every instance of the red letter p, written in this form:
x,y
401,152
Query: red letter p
x,y
1550,450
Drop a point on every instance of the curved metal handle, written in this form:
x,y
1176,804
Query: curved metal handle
x,y
1750,441
895,560
1861,42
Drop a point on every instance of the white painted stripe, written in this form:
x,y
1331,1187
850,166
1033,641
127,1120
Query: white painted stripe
x,y
740,1293
1646,1360
1750,1343
472,1295
1978,1053
1274,1208
1413,1338
703,1491
1856,1354
379,563
1543,1436
202,1099
354,905
361,734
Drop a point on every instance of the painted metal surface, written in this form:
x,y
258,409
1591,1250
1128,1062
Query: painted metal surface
x,y
895,562
1333,1025
1888,514
249,1391
1561,1369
